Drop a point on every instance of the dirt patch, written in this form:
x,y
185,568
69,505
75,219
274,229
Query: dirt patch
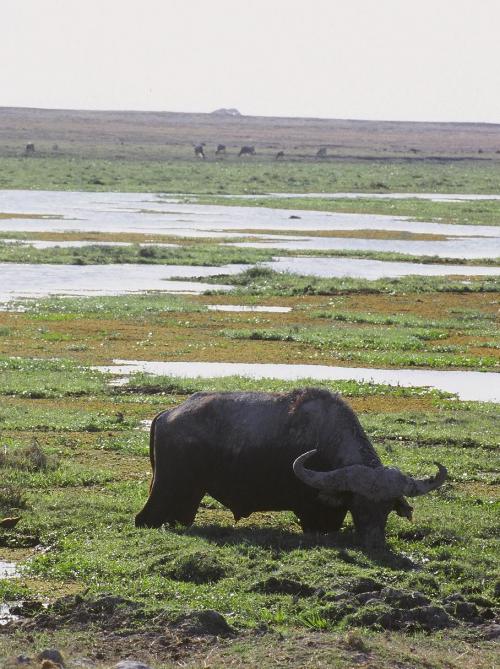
x,y
359,234
432,305
204,623
112,619
283,586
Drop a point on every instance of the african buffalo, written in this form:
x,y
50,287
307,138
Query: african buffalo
x,y
247,151
199,152
248,449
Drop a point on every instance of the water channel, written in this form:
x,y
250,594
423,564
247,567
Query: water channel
x,y
478,386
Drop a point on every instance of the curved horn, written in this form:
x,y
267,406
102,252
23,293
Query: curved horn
x,y
376,483
415,487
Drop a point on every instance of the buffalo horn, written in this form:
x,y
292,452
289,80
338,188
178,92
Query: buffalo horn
x,y
376,483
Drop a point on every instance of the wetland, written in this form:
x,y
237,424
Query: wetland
x,y
75,573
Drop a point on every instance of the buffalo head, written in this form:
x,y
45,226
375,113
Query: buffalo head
x,y
372,492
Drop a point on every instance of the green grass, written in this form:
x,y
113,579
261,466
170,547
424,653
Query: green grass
x,y
264,282
256,176
148,384
36,379
203,255
395,346
81,491
480,212
140,307
464,321
198,254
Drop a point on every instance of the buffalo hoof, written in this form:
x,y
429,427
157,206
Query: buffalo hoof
x,y
142,521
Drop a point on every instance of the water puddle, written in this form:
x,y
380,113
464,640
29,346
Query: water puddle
x,y
240,307
5,614
29,280
360,268
459,247
8,569
470,386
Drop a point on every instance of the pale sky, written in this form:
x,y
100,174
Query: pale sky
x,y
423,60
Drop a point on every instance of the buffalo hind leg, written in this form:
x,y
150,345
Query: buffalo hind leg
x,y
162,507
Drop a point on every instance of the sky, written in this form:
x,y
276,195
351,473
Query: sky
x,y
418,60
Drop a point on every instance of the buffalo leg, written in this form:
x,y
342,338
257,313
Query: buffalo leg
x,y
322,520
170,504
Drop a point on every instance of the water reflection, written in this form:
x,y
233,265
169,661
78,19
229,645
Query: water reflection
x,y
8,569
146,213
459,247
372,269
26,280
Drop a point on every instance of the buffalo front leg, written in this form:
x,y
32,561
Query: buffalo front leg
x,y
322,519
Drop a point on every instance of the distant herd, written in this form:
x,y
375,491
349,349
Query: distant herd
x,y
199,151
246,150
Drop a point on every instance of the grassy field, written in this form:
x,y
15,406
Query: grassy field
x,y
185,175
75,468
74,463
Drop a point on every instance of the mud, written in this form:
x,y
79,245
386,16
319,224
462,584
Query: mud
x,y
283,586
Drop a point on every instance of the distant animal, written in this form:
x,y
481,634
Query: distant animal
x,y
248,450
221,148
280,155
30,148
321,153
247,151
199,151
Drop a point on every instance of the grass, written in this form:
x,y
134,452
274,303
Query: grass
x,y
259,176
388,326
87,474
263,281
74,459
262,574
471,212
397,346
214,254
199,254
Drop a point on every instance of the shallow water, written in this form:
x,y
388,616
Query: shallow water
x,y
372,269
459,247
240,307
477,386
148,214
5,615
8,569
26,280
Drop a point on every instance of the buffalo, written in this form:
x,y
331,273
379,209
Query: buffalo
x,y
247,151
249,451
199,151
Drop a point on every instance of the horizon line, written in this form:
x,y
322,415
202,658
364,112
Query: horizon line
x,y
240,115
